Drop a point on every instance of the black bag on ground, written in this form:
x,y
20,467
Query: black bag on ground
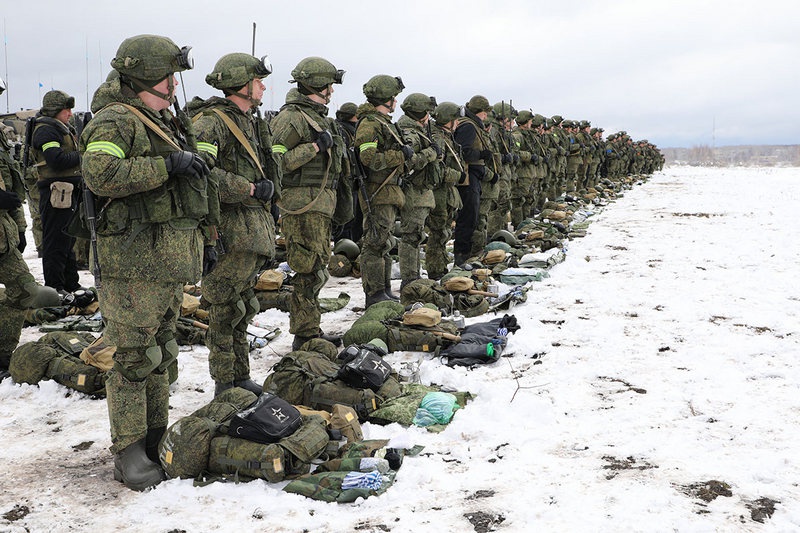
x,y
267,420
363,367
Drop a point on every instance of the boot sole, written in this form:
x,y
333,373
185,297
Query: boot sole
x,y
140,487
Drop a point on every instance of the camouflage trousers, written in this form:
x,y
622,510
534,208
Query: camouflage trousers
x,y
140,321
308,249
521,203
498,217
375,247
413,216
14,274
489,194
229,290
440,222
31,177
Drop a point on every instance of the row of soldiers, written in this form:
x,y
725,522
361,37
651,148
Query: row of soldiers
x,y
202,192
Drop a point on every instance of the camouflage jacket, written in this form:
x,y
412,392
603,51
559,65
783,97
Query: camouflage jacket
x,y
147,221
377,144
425,162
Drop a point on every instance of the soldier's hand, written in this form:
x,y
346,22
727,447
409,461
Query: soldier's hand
x,y
462,178
486,154
438,150
517,159
263,190
408,151
508,158
210,259
324,140
535,159
185,162
9,200
23,242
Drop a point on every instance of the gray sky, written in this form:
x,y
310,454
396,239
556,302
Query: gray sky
x,y
676,72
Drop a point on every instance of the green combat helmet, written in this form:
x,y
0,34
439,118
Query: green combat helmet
x,y
347,248
524,116
54,101
538,120
382,88
234,71
506,237
479,103
503,110
447,112
417,105
316,72
151,58
347,111
557,119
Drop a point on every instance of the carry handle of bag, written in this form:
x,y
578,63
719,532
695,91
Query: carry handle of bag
x,y
482,293
445,335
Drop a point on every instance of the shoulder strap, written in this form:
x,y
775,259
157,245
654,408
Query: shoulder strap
x,y
240,136
150,124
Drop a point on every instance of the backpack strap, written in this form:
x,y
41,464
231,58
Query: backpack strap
x,y
240,136
149,123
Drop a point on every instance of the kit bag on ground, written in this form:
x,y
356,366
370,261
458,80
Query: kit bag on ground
x,y
268,420
363,366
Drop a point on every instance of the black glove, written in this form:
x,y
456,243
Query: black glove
x,y
508,158
9,200
438,149
494,179
263,190
462,178
324,140
209,259
22,242
185,162
516,159
486,154
535,159
408,151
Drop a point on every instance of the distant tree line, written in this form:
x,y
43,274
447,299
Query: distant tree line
x,y
726,156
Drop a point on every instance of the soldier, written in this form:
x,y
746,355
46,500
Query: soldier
x,y
228,137
476,147
55,152
310,153
9,169
498,212
447,199
383,155
520,195
346,120
153,193
425,175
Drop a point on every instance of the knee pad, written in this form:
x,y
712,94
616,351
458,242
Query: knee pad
x,y
169,354
136,365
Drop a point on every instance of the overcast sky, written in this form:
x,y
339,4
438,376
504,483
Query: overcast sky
x,y
676,72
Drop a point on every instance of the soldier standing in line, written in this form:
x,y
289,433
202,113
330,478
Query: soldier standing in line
x,y
312,158
346,120
520,198
383,154
490,187
55,152
152,198
425,174
228,136
476,148
497,217
447,199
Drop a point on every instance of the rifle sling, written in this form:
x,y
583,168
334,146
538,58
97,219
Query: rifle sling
x,y
239,134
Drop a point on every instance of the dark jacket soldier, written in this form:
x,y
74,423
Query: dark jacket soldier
x,y
152,198
425,176
311,154
229,138
54,150
383,154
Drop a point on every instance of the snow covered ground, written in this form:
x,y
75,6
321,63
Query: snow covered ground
x,y
655,369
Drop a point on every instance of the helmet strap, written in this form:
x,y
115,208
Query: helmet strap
x,y
169,96
248,96
326,97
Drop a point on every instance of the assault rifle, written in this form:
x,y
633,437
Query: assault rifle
x,y
360,176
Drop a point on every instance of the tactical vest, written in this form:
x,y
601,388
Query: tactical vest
x,y
388,140
181,200
481,142
313,173
431,175
68,144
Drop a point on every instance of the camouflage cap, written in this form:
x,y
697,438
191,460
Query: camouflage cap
x,y
479,103
233,71
316,72
524,116
55,101
382,88
151,58
447,112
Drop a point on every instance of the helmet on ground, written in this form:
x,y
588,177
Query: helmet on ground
x,y
417,105
447,112
382,88
347,248
479,103
316,72
234,71
54,101
505,236
151,58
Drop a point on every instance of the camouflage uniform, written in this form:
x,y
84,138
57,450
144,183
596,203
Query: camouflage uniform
x,y
379,147
490,188
308,196
520,197
246,227
151,201
418,187
446,196
508,159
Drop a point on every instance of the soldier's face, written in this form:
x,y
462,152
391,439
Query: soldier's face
x,y
258,89
64,115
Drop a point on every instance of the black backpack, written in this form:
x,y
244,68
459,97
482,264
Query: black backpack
x,y
267,420
363,367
